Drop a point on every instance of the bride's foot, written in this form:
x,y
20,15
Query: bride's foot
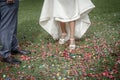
x,y
62,39
72,44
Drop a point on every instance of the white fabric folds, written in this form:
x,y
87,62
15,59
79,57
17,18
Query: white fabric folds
x,y
55,11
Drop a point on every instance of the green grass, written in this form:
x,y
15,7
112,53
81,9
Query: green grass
x,y
96,58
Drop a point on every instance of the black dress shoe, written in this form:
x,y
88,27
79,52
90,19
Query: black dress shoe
x,y
11,60
22,52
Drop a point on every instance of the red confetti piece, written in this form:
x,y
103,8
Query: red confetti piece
x,y
24,57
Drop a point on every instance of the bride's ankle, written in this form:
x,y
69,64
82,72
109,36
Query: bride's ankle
x,y
63,35
72,41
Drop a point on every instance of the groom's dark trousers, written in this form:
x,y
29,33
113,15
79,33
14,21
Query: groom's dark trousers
x,y
8,27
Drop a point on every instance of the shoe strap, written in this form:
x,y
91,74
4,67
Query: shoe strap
x,y
72,39
64,34
61,39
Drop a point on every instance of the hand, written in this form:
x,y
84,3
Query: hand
x,y
10,1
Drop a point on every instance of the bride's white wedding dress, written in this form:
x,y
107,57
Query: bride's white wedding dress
x,y
55,11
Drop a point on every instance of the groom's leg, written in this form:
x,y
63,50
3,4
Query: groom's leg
x,y
7,27
14,40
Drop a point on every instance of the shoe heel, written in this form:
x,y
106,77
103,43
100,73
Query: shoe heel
x,y
72,47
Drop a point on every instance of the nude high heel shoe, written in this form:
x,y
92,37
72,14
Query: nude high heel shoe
x,y
72,45
62,39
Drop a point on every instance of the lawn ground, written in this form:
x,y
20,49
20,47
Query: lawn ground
x,y
97,56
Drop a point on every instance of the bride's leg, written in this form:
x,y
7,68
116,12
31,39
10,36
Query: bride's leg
x,y
63,29
72,35
72,29
63,33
